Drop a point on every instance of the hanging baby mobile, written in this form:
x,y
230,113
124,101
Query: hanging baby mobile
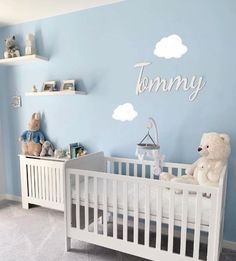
x,y
150,147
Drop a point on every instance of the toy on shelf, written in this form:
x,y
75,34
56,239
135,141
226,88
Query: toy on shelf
x,y
47,149
59,153
11,49
30,44
32,138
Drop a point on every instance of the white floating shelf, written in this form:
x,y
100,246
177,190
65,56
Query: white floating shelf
x,y
55,93
23,60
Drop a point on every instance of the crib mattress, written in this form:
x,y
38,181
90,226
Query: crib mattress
x,y
191,201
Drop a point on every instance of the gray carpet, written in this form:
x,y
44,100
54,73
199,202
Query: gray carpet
x,y
38,234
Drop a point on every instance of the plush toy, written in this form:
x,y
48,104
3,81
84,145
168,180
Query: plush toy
x,y
214,150
59,153
11,49
47,149
33,138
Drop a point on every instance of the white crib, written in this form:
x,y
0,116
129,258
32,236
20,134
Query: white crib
x,y
117,203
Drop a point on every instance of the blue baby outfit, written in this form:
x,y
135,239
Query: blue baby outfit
x,y
35,136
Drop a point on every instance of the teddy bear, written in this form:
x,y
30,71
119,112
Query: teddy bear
x,y
214,151
11,49
47,149
32,138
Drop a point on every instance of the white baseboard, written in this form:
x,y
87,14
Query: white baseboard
x,y
231,245
10,197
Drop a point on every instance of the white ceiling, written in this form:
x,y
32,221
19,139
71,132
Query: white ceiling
x,y
20,11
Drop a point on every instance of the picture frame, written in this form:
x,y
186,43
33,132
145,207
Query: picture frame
x,y
68,85
16,101
49,86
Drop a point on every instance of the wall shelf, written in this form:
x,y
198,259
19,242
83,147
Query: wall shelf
x,y
23,60
55,93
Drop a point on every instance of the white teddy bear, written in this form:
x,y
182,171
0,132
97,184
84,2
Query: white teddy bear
x,y
214,150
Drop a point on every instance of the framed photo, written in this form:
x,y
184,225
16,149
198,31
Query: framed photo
x,y
68,85
16,101
49,86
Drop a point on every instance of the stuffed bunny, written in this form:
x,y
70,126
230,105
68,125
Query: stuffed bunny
x,y
33,138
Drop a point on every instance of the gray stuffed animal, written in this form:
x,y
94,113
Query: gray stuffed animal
x,y
47,149
11,49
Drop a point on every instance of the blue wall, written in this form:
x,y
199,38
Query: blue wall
x,y
99,47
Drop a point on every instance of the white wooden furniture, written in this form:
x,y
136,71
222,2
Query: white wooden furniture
x,y
55,93
42,181
123,192
23,60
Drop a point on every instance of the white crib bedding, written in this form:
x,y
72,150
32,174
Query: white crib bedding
x,y
191,206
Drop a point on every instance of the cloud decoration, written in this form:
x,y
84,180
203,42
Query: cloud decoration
x,y
170,47
124,112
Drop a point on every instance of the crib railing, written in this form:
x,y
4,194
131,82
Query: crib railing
x,y
144,169
133,230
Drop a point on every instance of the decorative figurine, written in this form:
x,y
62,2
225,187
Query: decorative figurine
x,y
30,44
34,89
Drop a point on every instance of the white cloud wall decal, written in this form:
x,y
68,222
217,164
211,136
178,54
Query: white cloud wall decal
x,y
170,47
124,112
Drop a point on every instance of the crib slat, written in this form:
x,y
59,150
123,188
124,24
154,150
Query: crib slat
x,y
197,226
77,200
151,172
115,208
179,172
171,220
127,168
105,207
95,205
184,222
112,166
61,185
211,249
86,206
143,171
125,211
158,218
135,170
147,215
136,209
69,200
119,168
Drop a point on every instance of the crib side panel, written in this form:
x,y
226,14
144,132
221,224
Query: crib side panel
x,y
92,162
136,229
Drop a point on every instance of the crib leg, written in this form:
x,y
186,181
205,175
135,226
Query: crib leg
x,y
68,244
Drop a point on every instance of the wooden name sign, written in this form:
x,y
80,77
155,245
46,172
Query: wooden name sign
x,y
144,83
